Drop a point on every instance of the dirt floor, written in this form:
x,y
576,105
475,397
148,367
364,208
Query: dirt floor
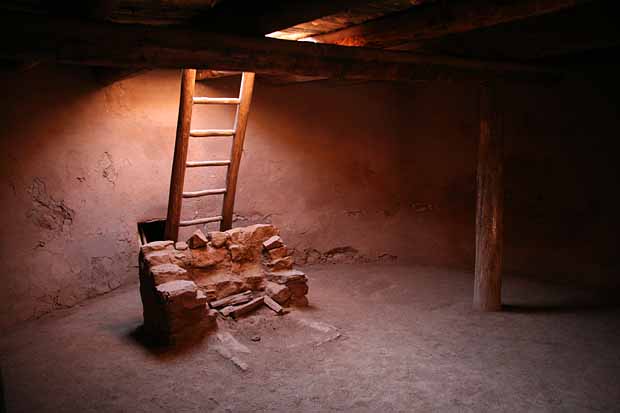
x,y
377,338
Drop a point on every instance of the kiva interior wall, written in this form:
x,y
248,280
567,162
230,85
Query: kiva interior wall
x,y
348,172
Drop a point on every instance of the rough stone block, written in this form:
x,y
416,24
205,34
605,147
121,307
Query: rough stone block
x,y
237,252
285,277
299,301
298,289
156,246
226,288
201,299
171,256
183,258
191,332
253,282
173,290
208,257
281,264
279,292
277,253
247,268
165,273
159,257
174,311
218,239
197,240
273,242
181,246
254,235
246,244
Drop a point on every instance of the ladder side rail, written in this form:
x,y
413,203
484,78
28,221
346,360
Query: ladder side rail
x,y
177,178
241,121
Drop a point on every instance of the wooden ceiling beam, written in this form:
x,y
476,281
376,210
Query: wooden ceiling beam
x,y
434,20
205,74
107,44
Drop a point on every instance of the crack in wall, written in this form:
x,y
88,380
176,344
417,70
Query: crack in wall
x,y
108,169
46,212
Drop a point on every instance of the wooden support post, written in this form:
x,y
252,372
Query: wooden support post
x,y
489,205
241,122
188,82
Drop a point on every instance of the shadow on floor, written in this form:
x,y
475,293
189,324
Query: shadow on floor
x,y
131,331
162,351
562,307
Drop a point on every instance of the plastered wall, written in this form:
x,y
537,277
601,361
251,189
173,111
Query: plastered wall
x,y
348,172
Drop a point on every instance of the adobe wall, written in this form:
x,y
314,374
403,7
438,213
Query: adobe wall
x,y
348,172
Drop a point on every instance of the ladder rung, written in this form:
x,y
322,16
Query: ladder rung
x,y
194,164
200,221
200,133
205,192
216,101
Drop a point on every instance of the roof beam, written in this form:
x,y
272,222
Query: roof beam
x,y
108,44
205,74
435,20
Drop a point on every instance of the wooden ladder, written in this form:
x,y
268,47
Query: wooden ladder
x,y
180,163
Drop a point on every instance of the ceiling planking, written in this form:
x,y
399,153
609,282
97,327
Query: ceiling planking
x,y
439,19
159,12
353,15
295,18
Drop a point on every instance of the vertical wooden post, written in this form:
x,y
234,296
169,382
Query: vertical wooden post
x,y
241,122
188,83
489,205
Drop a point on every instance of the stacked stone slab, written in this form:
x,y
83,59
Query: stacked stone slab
x,y
178,279
289,283
285,285
175,310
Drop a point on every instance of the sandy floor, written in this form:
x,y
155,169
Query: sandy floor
x,y
376,339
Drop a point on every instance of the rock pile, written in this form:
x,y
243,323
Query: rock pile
x,y
182,284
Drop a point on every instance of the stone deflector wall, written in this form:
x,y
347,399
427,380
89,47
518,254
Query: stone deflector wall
x,y
178,280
